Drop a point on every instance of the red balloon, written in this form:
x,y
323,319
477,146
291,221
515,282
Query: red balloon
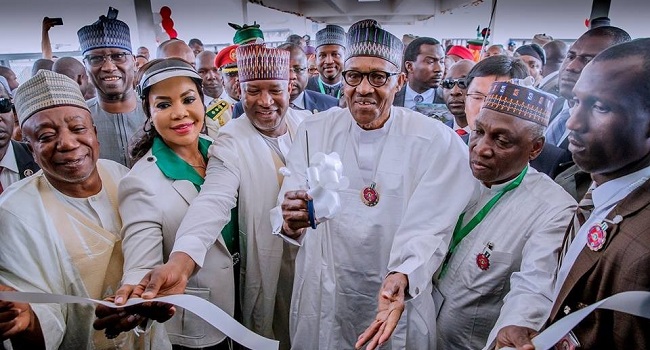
x,y
168,23
172,33
165,12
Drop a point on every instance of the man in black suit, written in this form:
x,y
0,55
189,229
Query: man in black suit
x,y
300,98
16,161
425,65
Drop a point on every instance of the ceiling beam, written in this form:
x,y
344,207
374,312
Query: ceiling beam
x,y
335,6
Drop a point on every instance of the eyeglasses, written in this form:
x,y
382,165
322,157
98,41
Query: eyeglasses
x,y
298,70
5,105
477,96
376,78
450,83
98,60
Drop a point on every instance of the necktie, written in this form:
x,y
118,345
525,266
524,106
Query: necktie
x,y
418,98
461,132
584,209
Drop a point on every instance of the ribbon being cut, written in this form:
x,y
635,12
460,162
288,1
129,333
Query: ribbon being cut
x,y
198,306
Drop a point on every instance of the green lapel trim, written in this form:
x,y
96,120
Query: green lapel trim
x,y
173,166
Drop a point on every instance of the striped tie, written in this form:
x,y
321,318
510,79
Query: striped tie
x,y
584,209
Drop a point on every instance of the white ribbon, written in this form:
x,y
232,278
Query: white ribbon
x,y
636,303
325,178
209,312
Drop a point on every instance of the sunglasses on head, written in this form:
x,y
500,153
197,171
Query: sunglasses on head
x,y
5,105
449,83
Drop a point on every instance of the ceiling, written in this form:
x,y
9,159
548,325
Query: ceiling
x,y
346,12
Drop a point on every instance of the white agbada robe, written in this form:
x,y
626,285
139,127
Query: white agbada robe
x,y
525,229
35,256
424,182
242,170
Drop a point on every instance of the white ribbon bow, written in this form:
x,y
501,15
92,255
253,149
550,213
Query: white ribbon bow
x,y
325,178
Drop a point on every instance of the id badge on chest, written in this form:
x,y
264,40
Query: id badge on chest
x,y
568,342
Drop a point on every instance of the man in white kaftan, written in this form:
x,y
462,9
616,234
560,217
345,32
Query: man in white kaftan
x,y
243,171
414,164
492,278
61,227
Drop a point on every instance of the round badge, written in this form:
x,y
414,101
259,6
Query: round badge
x,y
596,238
482,261
369,196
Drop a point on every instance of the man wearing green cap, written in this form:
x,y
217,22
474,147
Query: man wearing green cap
x,y
388,237
68,242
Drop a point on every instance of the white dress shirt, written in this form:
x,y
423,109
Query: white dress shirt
x,y
409,98
10,173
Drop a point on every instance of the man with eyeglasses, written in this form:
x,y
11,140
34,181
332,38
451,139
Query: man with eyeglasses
x,y
299,98
454,87
116,111
16,160
482,75
387,238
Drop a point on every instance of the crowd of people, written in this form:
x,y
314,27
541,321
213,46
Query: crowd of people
x,y
487,197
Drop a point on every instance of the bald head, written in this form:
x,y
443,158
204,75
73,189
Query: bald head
x,y
69,66
556,52
75,70
210,75
41,63
459,69
176,48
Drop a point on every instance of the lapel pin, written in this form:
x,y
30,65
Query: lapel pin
x,y
597,236
483,259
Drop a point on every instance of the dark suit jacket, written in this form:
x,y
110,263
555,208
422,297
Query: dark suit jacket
x,y
621,265
314,102
550,160
574,181
312,85
24,159
400,96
